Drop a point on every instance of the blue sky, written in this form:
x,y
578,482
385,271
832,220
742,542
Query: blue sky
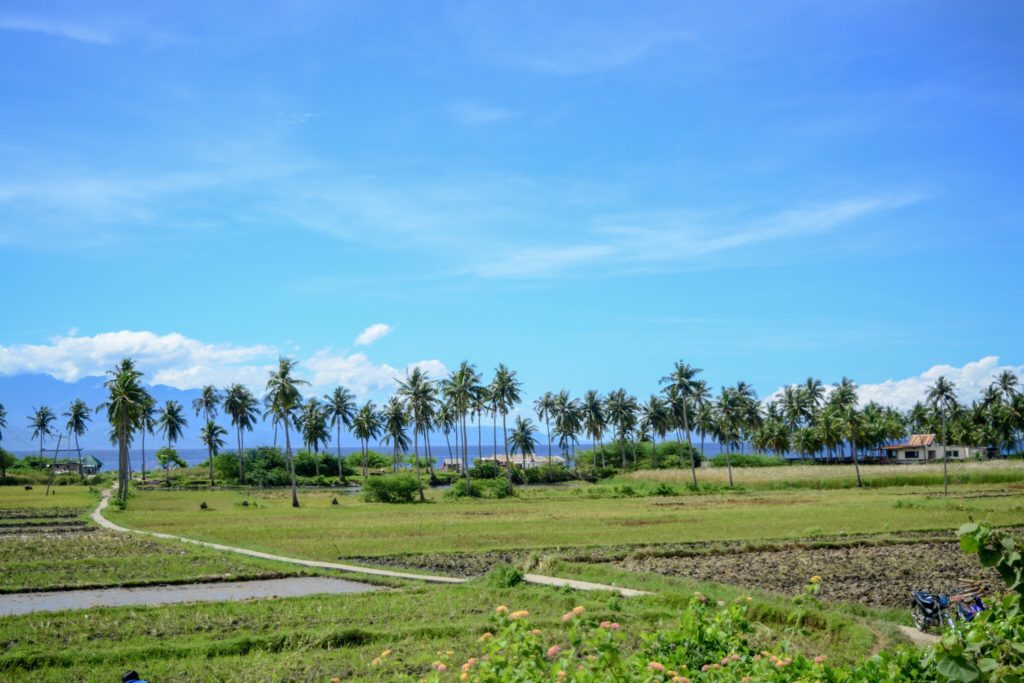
x,y
584,191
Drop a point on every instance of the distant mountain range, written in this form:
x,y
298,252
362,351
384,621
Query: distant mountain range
x,y
22,394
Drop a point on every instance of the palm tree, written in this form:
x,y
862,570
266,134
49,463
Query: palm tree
x,y
3,421
461,388
728,415
568,423
544,406
505,396
396,421
311,422
243,408
620,409
365,426
212,435
942,398
171,422
592,409
852,425
78,416
521,440
682,381
419,394
126,401
341,406
682,378
207,403
446,421
655,419
41,421
284,399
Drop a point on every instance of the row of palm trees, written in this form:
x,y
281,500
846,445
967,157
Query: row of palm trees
x,y
809,419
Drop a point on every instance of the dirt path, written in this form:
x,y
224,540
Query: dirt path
x,y
59,601
917,638
97,516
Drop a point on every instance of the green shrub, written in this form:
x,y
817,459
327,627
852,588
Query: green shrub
x,y
504,576
748,460
546,474
487,488
485,470
391,488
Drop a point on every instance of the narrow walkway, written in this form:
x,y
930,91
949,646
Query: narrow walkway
x,y
97,516
917,637
59,601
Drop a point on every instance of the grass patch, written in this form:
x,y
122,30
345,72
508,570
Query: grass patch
x,y
553,517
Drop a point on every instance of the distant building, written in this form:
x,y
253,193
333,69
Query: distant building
x,y
926,448
529,462
90,465
451,465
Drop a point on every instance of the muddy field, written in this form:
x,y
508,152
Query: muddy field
x,y
877,575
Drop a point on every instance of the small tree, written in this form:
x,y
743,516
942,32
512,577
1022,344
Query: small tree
x,y
168,457
7,459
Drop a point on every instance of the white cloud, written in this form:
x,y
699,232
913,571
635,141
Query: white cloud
x,y
970,381
359,374
168,358
373,333
475,114
185,363
56,28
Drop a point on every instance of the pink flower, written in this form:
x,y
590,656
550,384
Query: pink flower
x,y
578,610
820,659
553,651
439,666
487,636
502,609
655,666
567,616
518,614
535,632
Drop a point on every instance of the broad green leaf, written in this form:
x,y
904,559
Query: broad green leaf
x,y
958,669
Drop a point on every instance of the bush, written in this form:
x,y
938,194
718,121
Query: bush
x,y
504,576
546,474
751,460
485,470
487,488
707,644
391,488
438,478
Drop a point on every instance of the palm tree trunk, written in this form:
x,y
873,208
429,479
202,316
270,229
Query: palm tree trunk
x,y
416,454
291,463
945,459
856,465
622,448
465,452
143,453
341,476
547,421
81,470
241,457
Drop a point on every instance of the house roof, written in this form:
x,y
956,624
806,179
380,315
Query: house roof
x,y
916,441
92,461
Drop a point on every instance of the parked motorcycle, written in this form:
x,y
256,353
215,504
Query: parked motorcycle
x,y
932,611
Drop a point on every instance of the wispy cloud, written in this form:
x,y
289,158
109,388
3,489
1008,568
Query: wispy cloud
x,y
56,28
373,333
476,114
652,239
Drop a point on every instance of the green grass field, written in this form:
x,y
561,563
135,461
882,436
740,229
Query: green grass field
x,y
551,518
319,637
